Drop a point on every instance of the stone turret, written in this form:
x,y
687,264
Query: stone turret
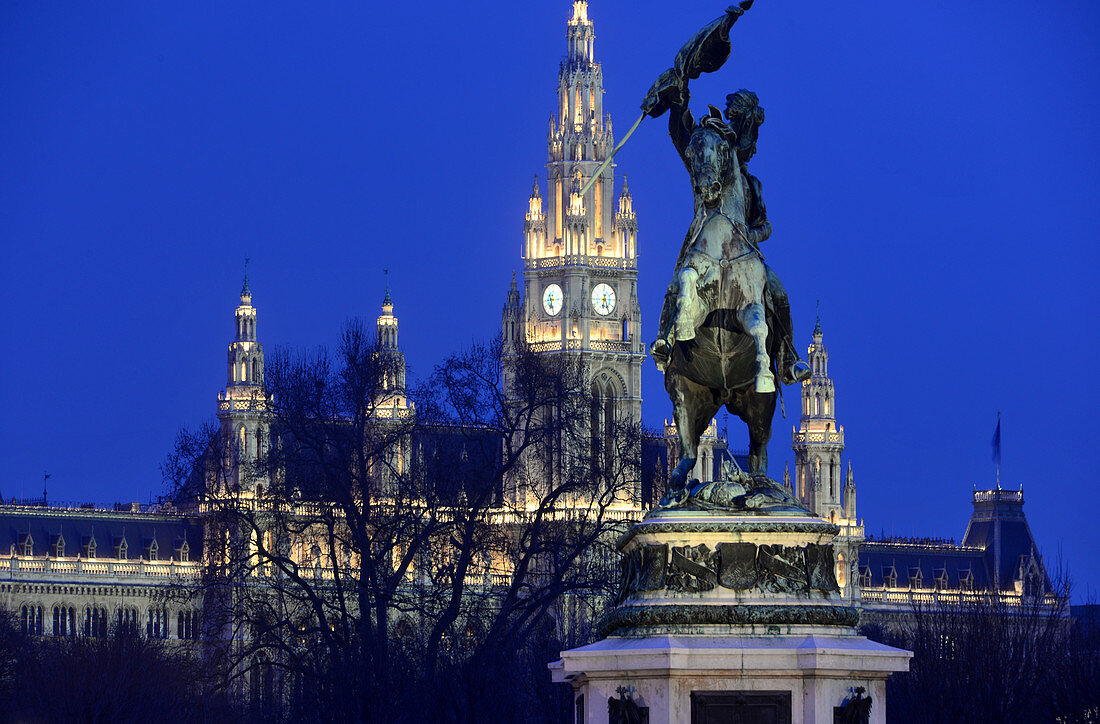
x,y
818,443
393,377
241,408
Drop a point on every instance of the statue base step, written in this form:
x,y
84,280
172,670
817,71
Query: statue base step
x,y
703,679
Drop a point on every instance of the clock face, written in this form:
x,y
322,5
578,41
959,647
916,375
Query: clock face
x,y
603,299
551,299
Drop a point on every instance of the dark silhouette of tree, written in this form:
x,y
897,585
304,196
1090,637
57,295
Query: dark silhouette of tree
x,y
119,678
993,659
409,567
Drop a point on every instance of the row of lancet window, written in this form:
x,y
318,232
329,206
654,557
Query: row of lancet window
x,y
93,622
246,328
832,474
250,446
245,370
817,405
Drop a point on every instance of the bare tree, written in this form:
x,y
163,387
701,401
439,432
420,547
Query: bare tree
x,y
986,657
388,567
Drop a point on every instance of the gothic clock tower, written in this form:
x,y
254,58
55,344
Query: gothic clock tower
x,y
579,293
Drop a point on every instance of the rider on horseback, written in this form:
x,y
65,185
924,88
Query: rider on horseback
x,y
744,116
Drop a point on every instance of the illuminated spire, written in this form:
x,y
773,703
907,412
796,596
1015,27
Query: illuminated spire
x,y
581,33
534,204
387,322
388,300
245,291
246,356
393,375
241,404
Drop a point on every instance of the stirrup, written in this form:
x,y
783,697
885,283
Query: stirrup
x,y
797,371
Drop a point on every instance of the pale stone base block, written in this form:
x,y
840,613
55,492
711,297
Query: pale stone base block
x,y
818,670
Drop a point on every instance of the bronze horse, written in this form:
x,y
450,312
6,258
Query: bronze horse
x,y
722,350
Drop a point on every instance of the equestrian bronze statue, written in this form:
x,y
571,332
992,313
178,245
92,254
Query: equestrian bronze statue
x,y
725,334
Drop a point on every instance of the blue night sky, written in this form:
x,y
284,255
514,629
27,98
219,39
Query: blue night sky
x,y
930,169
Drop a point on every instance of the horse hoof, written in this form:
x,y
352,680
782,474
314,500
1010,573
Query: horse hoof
x,y
765,384
673,498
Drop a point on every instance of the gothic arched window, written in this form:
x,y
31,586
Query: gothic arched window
x,y
261,683
603,415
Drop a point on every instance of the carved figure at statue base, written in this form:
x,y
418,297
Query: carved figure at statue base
x,y
735,491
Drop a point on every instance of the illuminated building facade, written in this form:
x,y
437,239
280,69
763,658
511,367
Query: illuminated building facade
x,y
997,555
83,571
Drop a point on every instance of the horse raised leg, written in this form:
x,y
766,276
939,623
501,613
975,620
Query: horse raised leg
x,y
754,322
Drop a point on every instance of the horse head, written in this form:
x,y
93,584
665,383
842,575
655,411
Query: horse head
x,y
712,160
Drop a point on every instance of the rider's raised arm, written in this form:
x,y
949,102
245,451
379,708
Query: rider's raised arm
x,y
680,123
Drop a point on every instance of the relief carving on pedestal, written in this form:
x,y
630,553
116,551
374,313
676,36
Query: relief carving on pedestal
x,y
693,569
819,564
736,566
643,570
784,568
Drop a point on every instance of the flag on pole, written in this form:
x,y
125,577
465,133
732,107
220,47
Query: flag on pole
x,y
997,440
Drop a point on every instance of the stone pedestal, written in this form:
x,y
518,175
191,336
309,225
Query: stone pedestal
x,y
720,612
